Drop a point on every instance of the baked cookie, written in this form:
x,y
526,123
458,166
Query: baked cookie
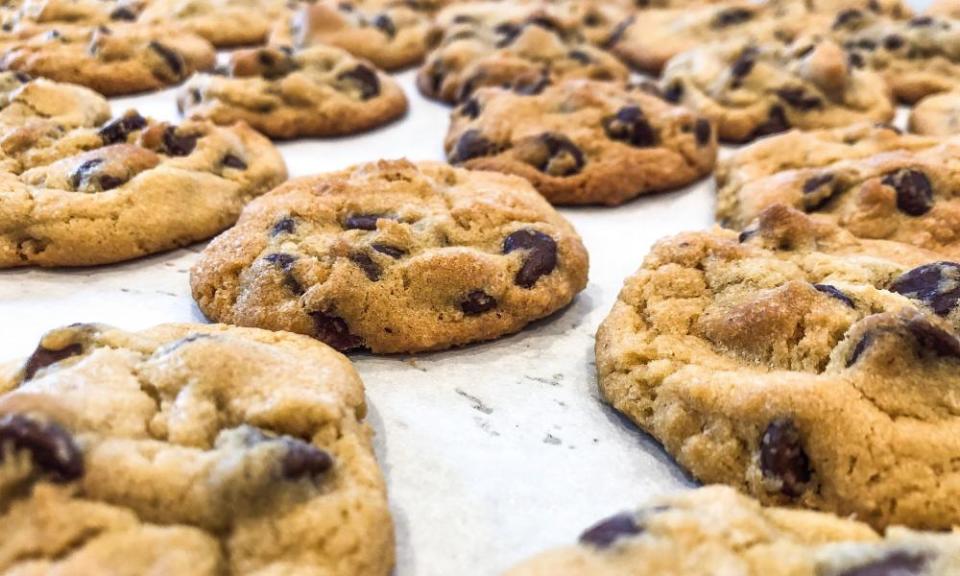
x,y
225,23
937,115
583,142
647,40
391,35
319,91
798,364
944,8
20,14
155,452
489,44
917,57
907,195
112,61
126,189
752,90
715,530
25,100
393,257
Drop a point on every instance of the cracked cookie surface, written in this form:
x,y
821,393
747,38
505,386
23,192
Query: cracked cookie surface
x,y
155,452
125,189
225,23
113,61
798,364
715,530
871,181
394,257
524,47
583,142
318,91
25,100
753,90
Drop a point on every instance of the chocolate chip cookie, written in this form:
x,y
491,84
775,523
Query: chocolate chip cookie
x,y
318,91
391,35
583,142
752,90
393,257
128,188
945,8
25,100
112,61
225,23
885,186
715,530
937,115
188,449
525,48
917,57
798,364
21,14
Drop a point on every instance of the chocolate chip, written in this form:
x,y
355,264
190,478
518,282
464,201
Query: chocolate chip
x,y
673,92
232,161
477,302
744,63
893,42
835,293
702,130
470,108
528,87
391,251
509,32
899,563
921,22
177,144
366,263
383,23
285,263
817,191
83,172
608,531
472,144
563,159
43,357
51,448
937,285
283,225
847,16
579,56
303,459
931,337
856,60
731,17
798,98
865,341
172,58
776,122
914,191
541,258
22,77
361,221
746,235
365,78
118,129
782,457
630,125
123,13
275,63
464,19
616,35
334,331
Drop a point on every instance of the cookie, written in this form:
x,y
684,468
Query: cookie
x,y
128,188
753,90
583,142
225,23
391,35
112,61
944,8
796,363
937,115
25,100
916,57
906,191
486,44
319,91
650,38
155,452
21,14
714,530
393,257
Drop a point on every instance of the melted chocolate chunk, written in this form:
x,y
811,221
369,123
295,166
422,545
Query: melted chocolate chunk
x,y
391,251
365,78
385,24
285,263
472,144
123,13
776,122
914,191
937,285
702,130
579,56
933,338
178,144
334,331
232,161
731,17
848,16
673,92
865,342
743,65
43,357
782,457
172,58
564,158
541,258
818,191
900,563
477,302
470,108
51,448
283,225
798,98
893,42
606,532
362,221
835,293
509,32
274,64
303,459
84,172
118,129
370,268
630,125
